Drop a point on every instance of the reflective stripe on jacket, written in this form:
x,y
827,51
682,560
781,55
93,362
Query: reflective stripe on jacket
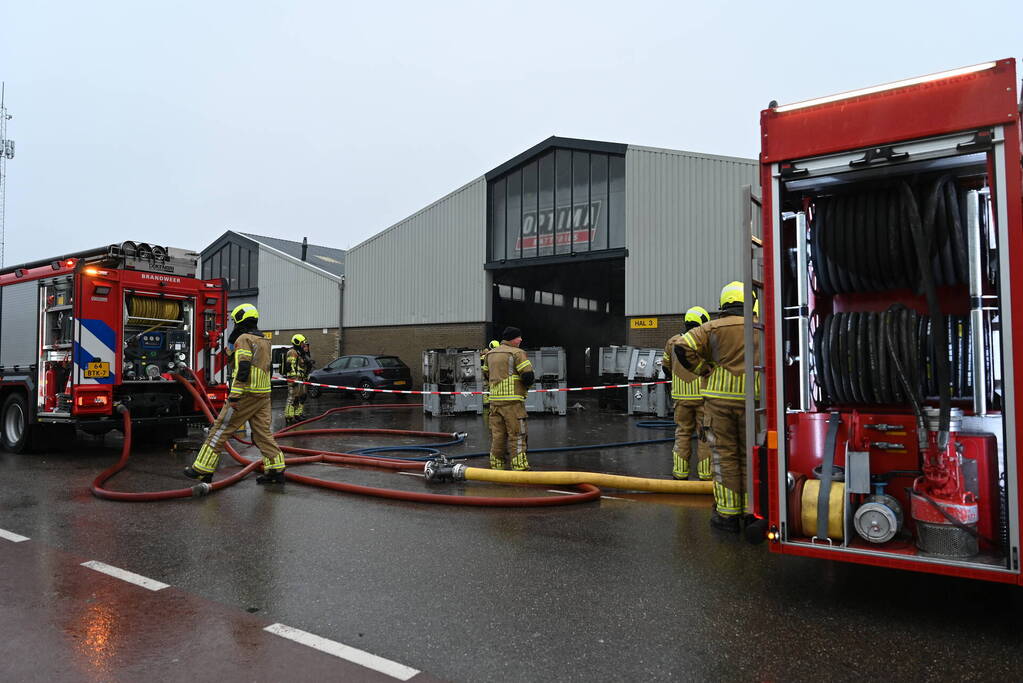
x,y
502,367
256,350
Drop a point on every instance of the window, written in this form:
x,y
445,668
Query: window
x,y
234,263
390,362
356,362
616,202
509,293
529,211
545,219
514,223
339,364
580,201
598,201
563,201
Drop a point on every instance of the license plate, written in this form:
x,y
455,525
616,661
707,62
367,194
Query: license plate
x,y
400,382
97,371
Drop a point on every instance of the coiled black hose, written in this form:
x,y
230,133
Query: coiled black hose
x,y
864,241
869,358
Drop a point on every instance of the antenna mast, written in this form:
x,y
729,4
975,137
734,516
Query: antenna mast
x,y
6,152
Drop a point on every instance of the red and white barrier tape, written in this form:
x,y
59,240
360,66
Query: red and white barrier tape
x,y
472,393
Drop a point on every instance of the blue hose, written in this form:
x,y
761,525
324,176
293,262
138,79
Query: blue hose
x,y
431,449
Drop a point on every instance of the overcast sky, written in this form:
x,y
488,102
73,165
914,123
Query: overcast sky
x,y
172,122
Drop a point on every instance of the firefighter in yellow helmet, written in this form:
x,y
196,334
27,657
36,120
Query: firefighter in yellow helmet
x,y
297,365
509,375
493,344
716,350
685,392
249,401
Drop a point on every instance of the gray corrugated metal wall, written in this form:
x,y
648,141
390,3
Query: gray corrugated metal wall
x,y
294,296
426,269
683,233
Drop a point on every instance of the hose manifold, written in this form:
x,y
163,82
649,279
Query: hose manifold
x,y
441,470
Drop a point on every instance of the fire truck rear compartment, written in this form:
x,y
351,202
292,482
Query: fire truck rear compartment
x,y
888,234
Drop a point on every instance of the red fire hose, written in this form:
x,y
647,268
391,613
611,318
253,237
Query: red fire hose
x,y
588,492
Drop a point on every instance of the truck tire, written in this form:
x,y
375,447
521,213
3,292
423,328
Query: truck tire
x,y
15,431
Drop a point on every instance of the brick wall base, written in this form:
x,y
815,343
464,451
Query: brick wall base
x,y
322,346
409,341
667,327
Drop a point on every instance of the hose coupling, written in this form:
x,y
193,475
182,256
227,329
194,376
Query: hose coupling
x,y
440,470
460,435
201,489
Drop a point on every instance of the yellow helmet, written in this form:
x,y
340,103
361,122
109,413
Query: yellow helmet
x,y
494,343
698,315
732,293
244,312
298,339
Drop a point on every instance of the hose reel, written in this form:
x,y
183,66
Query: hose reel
x,y
151,308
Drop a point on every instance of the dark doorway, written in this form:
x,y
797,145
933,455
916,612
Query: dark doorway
x,y
576,305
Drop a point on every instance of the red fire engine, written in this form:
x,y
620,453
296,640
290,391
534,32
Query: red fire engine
x,y
86,331
892,250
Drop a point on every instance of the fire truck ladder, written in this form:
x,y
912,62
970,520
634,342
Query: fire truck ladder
x,y
753,279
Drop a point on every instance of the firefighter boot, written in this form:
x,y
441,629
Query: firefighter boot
x,y
271,477
728,523
204,477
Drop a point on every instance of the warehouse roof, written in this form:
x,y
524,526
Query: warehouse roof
x,y
327,258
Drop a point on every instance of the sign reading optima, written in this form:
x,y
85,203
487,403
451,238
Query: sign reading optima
x,y
560,226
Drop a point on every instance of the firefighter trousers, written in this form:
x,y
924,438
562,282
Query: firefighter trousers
x,y
508,435
725,429
294,409
688,420
251,408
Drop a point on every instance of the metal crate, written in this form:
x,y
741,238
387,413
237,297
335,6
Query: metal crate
x,y
614,360
645,366
456,370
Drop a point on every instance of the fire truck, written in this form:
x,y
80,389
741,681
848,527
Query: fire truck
x,y
890,258
84,332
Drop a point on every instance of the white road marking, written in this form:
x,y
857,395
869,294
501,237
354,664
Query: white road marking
x,y
351,654
125,575
12,537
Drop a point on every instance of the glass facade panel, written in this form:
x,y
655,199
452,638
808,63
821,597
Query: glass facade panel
x,y
235,259
497,220
545,222
529,220
243,269
580,201
598,201
563,201
616,203
514,223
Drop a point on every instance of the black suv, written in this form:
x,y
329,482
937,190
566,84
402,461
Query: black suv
x,y
365,371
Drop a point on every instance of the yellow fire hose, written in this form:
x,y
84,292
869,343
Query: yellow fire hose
x,y
613,481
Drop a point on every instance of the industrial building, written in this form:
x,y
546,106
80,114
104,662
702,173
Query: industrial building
x,y
580,243
296,286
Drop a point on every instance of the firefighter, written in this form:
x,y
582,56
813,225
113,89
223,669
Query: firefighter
x,y
297,365
486,397
688,404
249,401
509,375
716,351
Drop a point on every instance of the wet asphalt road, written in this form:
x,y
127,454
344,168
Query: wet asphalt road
x,y
635,587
